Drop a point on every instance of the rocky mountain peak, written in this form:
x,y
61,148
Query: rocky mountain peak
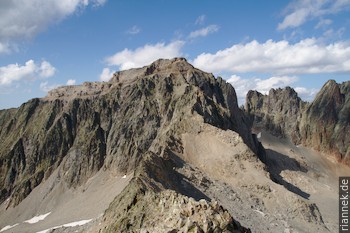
x,y
321,124
174,65
283,92
330,96
113,122
159,67
157,145
278,112
326,120
330,83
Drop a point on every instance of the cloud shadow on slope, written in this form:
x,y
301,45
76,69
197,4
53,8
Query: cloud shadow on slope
x,y
276,163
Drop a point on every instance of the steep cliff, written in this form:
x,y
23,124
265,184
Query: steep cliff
x,y
279,112
326,121
321,124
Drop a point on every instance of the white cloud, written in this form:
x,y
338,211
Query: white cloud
x,y
145,55
281,57
200,20
29,71
294,19
242,85
204,31
22,19
133,30
305,93
46,69
106,75
71,82
274,82
300,11
45,87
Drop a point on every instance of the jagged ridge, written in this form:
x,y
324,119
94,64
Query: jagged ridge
x,y
321,124
113,126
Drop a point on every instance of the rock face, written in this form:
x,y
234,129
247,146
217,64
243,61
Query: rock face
x,y
321,124
169,211
326,122
113,126
279,112
179,135
142,209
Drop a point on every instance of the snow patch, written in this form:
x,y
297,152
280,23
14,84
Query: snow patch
x,y
8,227
259,135
72,224
37,218
78,223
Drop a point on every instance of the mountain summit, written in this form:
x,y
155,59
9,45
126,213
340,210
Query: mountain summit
x,y
132,124
162,148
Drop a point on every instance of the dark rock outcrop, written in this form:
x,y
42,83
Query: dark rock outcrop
x,y
326,122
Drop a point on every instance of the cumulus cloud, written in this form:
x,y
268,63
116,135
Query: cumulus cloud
x,y
106,75
46,69
279,57
243,85
145,55
133,30
22,19
204,31
307,94
29,71
300,11
71,82
274,82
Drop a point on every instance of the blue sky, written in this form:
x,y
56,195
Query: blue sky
x,y
252,44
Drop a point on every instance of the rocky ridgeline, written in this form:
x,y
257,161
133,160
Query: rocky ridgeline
x,y
117,126
279,112
321,124
169,211
157,200
87,90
